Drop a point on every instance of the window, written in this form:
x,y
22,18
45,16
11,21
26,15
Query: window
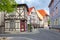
x,y
12,24
56,10
32,12
20,10
56,21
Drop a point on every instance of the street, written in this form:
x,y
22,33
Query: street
x,y
30,20
43,34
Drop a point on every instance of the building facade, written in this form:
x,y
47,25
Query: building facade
x,y
43,18
33,18
2,22
17,20
54,8
40,18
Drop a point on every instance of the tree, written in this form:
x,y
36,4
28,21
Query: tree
x,y
7,5
29,27
48,22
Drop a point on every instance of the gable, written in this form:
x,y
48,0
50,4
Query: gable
x,y
39,15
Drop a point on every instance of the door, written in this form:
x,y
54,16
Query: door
x,y
22,26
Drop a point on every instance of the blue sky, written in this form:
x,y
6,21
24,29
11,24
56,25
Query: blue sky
x,y
38,4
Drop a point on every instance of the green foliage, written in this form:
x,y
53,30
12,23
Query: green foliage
x,y
29,24
29,27
7,5
48,21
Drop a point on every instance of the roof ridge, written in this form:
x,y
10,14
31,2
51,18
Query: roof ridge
x,y
42,12
30,9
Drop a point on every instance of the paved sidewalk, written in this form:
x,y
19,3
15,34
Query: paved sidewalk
x,y
34,31
14,38
55,30
19,38
42,35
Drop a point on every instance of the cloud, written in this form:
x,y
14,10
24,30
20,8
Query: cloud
x,y
38,4
28,0
22,1
47,10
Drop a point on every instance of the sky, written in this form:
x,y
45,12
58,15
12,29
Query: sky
x,y
38,4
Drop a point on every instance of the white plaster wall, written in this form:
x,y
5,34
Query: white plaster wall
x,y
1,18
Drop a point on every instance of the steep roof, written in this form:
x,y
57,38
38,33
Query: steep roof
x,y
43,12
39,15
30,9
50,3
19,5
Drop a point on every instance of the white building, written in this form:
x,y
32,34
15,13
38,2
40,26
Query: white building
x,y
17,20
33,18
2,22
43,18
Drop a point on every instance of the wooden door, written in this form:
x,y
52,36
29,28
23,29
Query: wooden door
x,y
22,26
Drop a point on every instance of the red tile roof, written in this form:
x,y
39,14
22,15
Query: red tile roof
x,y
43,12
30,9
